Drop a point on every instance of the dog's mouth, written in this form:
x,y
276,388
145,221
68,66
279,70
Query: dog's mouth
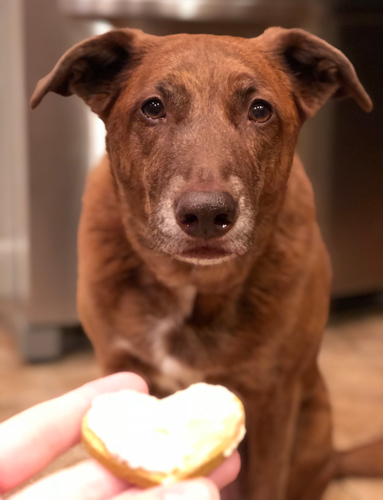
x,y
204,254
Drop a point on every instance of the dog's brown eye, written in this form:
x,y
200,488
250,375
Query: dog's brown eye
x,y
154,109
260,111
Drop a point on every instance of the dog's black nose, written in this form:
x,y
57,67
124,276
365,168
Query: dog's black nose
x,y
206,214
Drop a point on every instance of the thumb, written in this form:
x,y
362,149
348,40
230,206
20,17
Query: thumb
x,y
198,489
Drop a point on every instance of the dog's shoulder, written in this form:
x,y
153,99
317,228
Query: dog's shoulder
x,y
299,194
104,249
99,199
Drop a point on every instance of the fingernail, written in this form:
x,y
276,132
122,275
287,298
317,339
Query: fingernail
x,y
192,490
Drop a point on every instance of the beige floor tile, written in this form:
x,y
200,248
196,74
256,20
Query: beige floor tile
x,y
365,489
24,385
336,492
352,362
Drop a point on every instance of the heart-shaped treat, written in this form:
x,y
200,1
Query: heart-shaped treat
x,y
151,441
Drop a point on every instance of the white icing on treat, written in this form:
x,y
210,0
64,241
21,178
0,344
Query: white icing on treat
x,y
180,431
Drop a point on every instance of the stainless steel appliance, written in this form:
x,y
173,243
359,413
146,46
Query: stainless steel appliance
x,y
48,156
355,173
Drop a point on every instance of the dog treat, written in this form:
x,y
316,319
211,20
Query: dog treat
x,y
150,441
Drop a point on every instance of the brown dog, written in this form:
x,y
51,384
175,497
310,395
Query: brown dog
x,y
200,255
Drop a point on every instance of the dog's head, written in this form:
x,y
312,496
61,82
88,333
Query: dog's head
x,y
201,130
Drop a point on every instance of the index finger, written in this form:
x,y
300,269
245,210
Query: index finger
x,y
31,440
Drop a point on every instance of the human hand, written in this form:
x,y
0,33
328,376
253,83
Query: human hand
x,y
31,440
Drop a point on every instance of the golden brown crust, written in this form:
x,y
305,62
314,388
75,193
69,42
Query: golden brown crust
x,y
143,478
96,448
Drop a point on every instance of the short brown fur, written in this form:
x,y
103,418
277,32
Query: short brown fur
x,y
254,320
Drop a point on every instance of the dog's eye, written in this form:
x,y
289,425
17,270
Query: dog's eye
x,y
260,111
154,109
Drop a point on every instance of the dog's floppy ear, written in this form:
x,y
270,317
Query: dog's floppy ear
x,y
318,70
91,69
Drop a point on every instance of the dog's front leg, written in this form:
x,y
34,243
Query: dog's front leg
x,y
270,418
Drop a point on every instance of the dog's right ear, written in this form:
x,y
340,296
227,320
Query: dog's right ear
x,y
317,70
91,69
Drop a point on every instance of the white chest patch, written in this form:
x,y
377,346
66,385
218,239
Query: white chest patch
x,y
187,295
174,374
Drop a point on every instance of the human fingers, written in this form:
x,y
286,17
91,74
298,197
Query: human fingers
x,y
199,489
87,480
227,472
196,489
32,439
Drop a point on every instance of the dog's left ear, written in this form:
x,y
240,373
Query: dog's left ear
x,y
92,69
318,70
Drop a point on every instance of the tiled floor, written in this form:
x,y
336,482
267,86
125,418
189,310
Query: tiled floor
x,y
352,360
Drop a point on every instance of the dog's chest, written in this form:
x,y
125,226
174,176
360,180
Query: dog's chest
x,y
173,372
186,299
